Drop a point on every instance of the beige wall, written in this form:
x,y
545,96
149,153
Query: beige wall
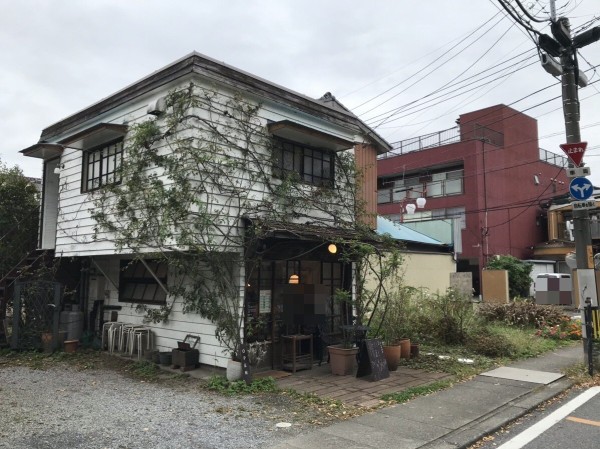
x,y
425,271
430,271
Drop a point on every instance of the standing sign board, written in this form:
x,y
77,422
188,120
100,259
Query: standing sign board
x,y
574,151
371,361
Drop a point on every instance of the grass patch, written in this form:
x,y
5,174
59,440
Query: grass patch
x,y
81,360
523,342
222,385
430,360
421,390
495,345
144,370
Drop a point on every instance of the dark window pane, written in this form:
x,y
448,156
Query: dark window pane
x,y
100,165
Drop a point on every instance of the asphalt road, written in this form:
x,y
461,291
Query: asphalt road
x,y
572,422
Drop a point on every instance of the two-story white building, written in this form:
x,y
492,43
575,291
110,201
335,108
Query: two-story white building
x,y
291,289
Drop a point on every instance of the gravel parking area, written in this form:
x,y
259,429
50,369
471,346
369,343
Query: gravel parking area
x,y
62,407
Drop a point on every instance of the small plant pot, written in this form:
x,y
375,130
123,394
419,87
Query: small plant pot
x,y
234,370
149,355
71,345
414,350
165,358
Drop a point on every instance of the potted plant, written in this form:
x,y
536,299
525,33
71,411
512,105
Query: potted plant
x,y
393,326
342,357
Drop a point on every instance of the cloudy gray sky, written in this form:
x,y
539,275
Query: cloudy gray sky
x,y
415,65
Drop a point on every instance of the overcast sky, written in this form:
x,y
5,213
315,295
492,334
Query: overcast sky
x,y
415,65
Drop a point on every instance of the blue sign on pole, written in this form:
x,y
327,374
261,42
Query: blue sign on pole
x,y
581,188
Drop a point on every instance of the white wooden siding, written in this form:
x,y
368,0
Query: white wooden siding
x,y
75,228
165,336
50,206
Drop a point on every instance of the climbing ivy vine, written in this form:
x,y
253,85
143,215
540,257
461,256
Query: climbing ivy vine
x,y
192,178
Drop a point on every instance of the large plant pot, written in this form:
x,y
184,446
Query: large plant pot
x,y
392,356
234,370
341,360
405,348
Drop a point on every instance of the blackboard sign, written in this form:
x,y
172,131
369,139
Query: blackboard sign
x,y
246,376
371,361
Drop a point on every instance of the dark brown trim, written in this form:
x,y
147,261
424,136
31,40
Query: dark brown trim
x,y
295,132
43,150
196,63
104,131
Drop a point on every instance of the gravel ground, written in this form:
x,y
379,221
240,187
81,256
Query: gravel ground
x,y
61,407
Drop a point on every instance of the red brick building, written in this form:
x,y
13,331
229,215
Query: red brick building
x,y
488,172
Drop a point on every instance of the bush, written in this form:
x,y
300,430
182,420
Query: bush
x,y
489,344
522,313
442,318
567,329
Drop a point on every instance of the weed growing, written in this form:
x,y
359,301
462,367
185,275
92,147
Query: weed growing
x,y
222,385
411,393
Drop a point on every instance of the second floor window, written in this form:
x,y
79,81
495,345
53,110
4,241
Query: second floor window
x,y
313,166
101,164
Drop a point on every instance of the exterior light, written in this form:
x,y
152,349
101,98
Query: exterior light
x,y
410,209
332,248
294,279
421,202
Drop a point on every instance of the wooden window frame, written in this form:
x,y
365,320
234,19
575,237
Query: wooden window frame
x,y
101,156
159,296
304,161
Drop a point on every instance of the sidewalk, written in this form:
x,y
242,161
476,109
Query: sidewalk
x,y
453,418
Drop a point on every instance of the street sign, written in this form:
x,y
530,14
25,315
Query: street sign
x,y
576,172
581,205
581,188
574,151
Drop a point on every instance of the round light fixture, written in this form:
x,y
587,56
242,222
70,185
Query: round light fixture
x,y
294,279
332,248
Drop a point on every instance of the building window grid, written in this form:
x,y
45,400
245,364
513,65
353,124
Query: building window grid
x,y
101,165
412,187
138,285
313,165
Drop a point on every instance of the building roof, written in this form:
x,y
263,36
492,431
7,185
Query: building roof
x,y
196,63
399,232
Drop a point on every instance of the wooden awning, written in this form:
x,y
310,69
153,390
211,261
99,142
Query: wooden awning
x,y
304,135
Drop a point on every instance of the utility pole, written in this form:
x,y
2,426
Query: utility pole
x,y
565,47
570,99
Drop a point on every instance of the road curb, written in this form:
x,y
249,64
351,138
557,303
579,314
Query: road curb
x,y
485,425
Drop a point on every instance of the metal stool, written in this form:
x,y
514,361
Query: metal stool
x,y
136,338
125,336
114,333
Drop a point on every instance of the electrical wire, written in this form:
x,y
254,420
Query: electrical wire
x,y
464,81
432,63
528,14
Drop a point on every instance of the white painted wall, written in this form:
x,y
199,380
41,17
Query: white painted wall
x,y
165,335
75,228
50,206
